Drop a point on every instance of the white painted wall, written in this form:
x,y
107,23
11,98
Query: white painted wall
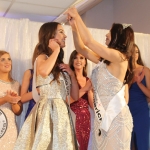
x,y
135,12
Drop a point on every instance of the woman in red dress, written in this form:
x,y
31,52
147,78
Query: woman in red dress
x,y
78,64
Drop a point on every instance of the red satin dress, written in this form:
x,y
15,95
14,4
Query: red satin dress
x,y
83,123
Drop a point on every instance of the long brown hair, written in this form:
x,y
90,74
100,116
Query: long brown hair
x,y
122,39
139,61
71,60
47,32
2,52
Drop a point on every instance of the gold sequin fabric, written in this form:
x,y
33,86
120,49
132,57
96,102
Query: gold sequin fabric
x,y
8,140
118,136
48,125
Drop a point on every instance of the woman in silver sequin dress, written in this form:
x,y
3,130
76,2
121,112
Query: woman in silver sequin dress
x,y
113,122
48,126
9,103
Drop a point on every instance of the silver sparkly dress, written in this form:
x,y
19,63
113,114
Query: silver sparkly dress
x,y
8,140
118,136
48,125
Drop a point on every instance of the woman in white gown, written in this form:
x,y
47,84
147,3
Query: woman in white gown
x,y
113,122
10,105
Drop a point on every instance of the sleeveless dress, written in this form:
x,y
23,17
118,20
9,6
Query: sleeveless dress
x,y
31,102
118,136
8,140
48,126
139,109
82,122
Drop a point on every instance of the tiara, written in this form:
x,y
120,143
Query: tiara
x,y
126,25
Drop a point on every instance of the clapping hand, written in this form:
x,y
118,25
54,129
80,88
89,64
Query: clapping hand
x,y
12,97
138,78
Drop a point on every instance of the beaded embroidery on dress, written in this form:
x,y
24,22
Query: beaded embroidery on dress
x,y
118,136
8,140
48,125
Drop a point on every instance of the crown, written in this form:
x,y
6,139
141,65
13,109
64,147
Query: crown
x,y
126,25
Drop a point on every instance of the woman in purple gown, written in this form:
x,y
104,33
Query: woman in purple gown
x,y
78,64
139,93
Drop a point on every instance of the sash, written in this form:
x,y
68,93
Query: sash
x,y
116,104
67,87
72,115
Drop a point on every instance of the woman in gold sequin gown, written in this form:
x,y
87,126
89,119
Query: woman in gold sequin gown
x,y
9,105
48,126
113,121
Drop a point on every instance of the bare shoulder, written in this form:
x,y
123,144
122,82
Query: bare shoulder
x,y
146,70
27,74
42,57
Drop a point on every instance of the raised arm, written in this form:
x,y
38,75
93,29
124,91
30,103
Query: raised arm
x,y
80,47
83,30
45,64
79,28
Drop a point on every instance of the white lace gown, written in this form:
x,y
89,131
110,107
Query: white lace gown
x,y
8,140
118,137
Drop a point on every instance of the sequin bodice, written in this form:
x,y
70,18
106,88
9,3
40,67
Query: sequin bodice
x,y
7,141
118,136
105,83
52,89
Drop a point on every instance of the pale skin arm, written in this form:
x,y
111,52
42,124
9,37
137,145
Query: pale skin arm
x,y
117,68
126,93
44,64
145,89
25,95
18,107
87,89
12,98
90,98
78,26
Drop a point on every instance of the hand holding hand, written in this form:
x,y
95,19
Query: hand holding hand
x,y
12,97
89,85
71,13
138,78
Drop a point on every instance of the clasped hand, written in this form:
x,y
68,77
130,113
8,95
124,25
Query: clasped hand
x,y
12,97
